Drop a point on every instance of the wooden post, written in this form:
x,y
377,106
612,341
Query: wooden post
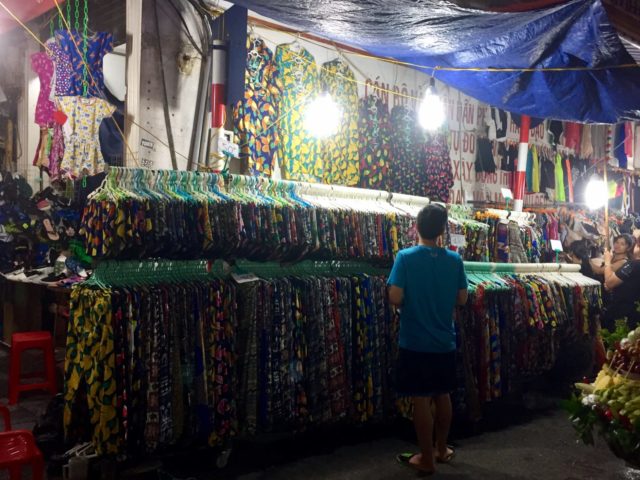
x,y
606,208
134,56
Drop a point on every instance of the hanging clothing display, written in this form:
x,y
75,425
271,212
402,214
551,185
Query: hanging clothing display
x,y
484,156
513,326
511,159
174,360
298,149
82,155
438,168
56,153
511,241
628,138
586,144
555,130
194,222
579,173
63,69
559,172
619,141
374,139
256,114
572,136
568,179
535,170
340,152
43,67
154,364
490,129
41,158
476,245
97,46
529,171
496,122
547,175
599,141
407,170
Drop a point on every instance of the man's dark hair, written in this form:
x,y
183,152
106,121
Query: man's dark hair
x,y
432,221
581,249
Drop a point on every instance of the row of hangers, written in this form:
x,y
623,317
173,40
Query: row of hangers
x,y
134,273
500,281
522,218
110,273
123,183
462,215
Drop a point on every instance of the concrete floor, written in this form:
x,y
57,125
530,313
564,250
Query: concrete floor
x,y
541,446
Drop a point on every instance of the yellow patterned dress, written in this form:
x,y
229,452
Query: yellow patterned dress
x,y
255,116
90,364
298,150
341,151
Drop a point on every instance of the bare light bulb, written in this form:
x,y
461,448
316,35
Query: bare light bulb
x,y
596,193
431,113
322,116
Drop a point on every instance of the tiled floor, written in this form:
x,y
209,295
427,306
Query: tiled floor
x,y
541,447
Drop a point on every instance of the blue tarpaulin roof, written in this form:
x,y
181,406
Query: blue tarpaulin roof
x,y
432,33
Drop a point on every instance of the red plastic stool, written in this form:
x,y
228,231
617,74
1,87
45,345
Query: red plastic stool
x,y
17,449
29,341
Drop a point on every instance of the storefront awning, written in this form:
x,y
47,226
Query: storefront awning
x,y
430,33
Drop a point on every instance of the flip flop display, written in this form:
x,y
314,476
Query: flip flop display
x,y
31,227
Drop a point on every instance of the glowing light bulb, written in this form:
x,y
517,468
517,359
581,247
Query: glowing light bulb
x,y
322,117
431,113
596,193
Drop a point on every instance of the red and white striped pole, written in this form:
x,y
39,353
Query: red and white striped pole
x,y
218,103
521,172
218,81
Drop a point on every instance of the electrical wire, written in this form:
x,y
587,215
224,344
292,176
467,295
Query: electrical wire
x,y
167,116
186,29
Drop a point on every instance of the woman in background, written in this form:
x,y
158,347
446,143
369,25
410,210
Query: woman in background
x,y
589,257
623,251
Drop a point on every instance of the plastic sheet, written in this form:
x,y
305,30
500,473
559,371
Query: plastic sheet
x,y
432,33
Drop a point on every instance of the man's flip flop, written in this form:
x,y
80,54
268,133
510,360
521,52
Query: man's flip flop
x,y
405,459
447,458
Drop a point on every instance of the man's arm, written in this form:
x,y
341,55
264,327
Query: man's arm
x,y
396,295
396,282
463,296
463,285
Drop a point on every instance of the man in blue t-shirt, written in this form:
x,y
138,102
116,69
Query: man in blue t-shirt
x,y
427,282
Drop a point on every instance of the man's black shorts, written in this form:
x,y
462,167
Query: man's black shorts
x,y
425,374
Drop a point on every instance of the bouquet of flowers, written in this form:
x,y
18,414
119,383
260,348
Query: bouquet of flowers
x,y
610,406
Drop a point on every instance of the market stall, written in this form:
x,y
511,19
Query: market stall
x,y
230,273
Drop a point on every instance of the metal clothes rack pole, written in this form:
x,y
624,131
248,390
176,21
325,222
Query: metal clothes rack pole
x,y
488,267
